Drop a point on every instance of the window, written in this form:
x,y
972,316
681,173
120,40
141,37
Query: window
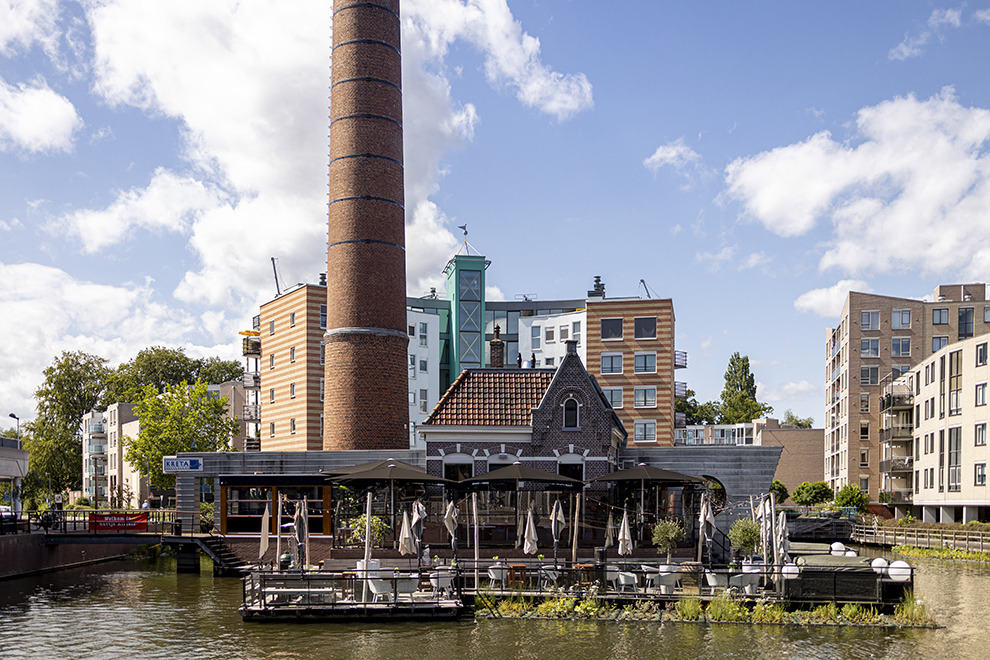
x,y
412,398
901,319
965,323
645,397
412,366
321,425
955,383
323,353
412,331
611,329
322,388
644,431
271,327
292,354
549,361
645,327
900,347
955,459
423,328
271,361
864,484
645,363
981,394
424,365
536,336
938,343
869,348
980,435
292,319
323,317
550,334
981,354
864,430
869,375
571,414
940,316
292,426
271,395
564,331
424,401
980,474
292,390
576,331
986,314
611,363
271,429
864,403
864,457
614,396
869,321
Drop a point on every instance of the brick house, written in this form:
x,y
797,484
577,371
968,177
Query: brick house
x,y
557,420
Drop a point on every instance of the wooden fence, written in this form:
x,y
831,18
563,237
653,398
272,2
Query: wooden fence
x,y
959,539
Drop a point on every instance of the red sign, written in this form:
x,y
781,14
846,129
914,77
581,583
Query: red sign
x,y
133,522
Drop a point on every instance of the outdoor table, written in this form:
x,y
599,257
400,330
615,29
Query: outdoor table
x,y
585,574
517,575
348,580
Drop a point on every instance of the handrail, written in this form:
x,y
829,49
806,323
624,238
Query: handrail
x,y
923,537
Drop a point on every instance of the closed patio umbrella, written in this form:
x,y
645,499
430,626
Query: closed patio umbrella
x,y
625,538
557,525
266,523
407,544
418,519
610,530
530,538
450,522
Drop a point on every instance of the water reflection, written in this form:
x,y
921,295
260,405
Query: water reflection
x,y
147,611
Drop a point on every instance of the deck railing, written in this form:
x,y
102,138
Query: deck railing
x,y
923,537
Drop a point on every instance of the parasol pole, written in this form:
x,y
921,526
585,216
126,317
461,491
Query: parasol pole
x,y
278,531
577,510
367,547
305,504
474,507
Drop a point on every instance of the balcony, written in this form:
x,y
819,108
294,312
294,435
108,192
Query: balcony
x,y
680,360
896,401
95,450
251,413
680,390
256,322
252,380
251,347
897,464
96,428
680,420
900,433
896,497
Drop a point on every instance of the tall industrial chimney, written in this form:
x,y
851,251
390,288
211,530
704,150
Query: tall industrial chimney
x,y
365,402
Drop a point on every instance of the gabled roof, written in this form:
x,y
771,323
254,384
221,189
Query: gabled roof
x,y
492,397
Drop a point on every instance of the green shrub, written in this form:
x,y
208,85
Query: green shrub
x,y
768,613
850,495
725,607
666,535
379,530
812,493
689,609
745,535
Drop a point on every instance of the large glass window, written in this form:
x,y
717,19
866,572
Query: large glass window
x,y
537,336
869,321
965,322
901,319
869,375
869,348
645,397
645,327
955,383
611,363
955,459
938,343
470,285
645,363
576,331
940,316
900,347
644,430
611,329
614,396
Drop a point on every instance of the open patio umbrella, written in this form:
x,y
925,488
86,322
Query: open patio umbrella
x,y
450,522
530,538
557,525
625,538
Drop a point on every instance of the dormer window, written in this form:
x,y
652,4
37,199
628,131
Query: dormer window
x,y
571,416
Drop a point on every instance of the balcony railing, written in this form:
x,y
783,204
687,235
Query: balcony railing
x,y
251,346
896,496
898,433
680,359
251,413
256,322
252,380
96,428
680,390
97,449
897,464
680,420
896,401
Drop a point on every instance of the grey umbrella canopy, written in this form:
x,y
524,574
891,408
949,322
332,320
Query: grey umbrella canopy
x,y
652,474
352,470
518,472
388,473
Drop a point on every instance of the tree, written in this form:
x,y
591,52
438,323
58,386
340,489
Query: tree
x,y
181,419
745,535
214,371
696,413
666,535
157,366
738,400
812,493
800,422
72,387
852,496
779,490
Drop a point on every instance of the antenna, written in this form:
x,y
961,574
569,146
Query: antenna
x,y
646,287
278,291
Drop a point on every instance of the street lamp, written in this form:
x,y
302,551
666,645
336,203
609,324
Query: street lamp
x,y
12,415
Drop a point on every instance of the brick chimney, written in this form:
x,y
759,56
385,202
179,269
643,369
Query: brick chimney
x,y
497,351
366,379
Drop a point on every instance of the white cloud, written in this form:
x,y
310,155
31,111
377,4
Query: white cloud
x,y
168,203
913,45
755,259
714,261
982,16
23,22
35,118
828,302
675,154
788,391
912,195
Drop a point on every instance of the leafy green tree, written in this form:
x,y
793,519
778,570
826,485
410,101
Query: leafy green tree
x,y
180,419
779,489
850,495
800,422
738,400
156,366
72,387
745,535
214,371
812,493
696,413
666,535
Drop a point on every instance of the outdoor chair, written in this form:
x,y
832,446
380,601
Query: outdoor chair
x,y
628,581
548,577
612,576
497,574
380,588
441,583
667,582
716,581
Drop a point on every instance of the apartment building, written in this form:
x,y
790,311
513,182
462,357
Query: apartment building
x,y
878,335
935,425
108,479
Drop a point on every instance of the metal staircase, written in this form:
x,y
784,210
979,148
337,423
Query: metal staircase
x,y
225,561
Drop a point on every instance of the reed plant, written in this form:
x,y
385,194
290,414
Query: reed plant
x,y
912,612
726,607
689,609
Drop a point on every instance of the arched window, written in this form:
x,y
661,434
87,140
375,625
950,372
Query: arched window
x,y
571,417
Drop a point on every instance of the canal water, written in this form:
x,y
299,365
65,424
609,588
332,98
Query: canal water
x,y
145,610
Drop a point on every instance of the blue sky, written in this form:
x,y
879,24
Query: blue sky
x,y
751,161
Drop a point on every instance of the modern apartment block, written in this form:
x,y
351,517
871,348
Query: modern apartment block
x,y
935,436
451,332
108,479
876,336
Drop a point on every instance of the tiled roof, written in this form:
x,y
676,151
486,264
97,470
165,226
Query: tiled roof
x,y
492,397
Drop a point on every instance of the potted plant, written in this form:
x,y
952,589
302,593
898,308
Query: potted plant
x,y
745,535
666,535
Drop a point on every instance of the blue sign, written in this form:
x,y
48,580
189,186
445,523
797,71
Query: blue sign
x,y
170,464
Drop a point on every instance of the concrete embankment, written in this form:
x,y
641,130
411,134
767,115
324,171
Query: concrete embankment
x,y
26,554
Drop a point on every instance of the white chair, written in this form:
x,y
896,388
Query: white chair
x,y
380,588
628,581
612,576
441,583
667,582
498,574
717,581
